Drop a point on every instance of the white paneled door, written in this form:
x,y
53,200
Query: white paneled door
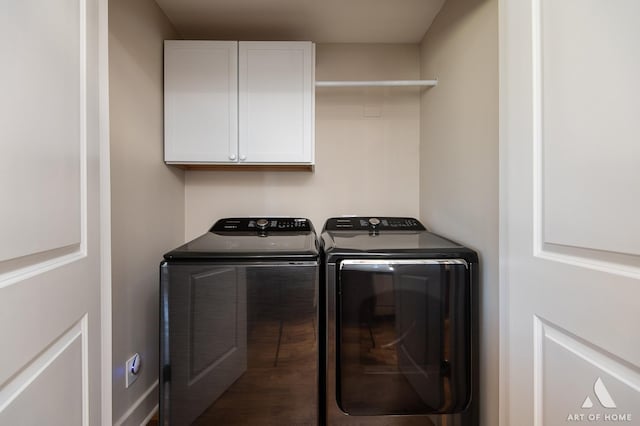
x,y
50,201
570,212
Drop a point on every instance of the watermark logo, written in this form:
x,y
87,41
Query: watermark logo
x,y
603,395
604,399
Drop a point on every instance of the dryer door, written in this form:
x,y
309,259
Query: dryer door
x,y
403,337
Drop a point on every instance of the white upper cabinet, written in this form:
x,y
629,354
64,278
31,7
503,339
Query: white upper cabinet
x,y
200,101
276,102
239,102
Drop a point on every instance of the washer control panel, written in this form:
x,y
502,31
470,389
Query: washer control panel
x,y
377,223
262,224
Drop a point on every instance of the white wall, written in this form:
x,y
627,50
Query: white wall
x,y
367,150
147,197
459,156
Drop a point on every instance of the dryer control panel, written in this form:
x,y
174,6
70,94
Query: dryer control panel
x,y
378,223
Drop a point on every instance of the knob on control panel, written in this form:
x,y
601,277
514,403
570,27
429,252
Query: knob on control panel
x,y
374,222
262,224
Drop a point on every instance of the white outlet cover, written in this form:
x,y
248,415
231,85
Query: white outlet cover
x,y
132,364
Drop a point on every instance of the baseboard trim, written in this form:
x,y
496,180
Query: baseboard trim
x,y
149,416
125,417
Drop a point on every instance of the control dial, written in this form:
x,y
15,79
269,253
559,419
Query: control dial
x,y
262,224
374,222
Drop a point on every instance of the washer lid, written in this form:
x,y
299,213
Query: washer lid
x,y
252,238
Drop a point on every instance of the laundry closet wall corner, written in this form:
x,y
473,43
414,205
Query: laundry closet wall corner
x,y
147,197
459,156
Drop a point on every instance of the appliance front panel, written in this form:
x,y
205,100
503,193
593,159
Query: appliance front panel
x,y
239,343
399,341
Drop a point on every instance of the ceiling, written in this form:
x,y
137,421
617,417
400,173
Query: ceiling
x,y
321,21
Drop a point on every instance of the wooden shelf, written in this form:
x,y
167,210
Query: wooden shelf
x,y
247,167
378,83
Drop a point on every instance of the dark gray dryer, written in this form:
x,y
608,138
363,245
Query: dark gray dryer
x,y
401,316
238,318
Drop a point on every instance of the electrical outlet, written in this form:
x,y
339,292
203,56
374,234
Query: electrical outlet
x,y
132,368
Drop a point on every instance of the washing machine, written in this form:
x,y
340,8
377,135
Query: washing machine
x,y
401,315
238,325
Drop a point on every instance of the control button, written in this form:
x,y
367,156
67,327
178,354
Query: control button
x,y
262,223
374,222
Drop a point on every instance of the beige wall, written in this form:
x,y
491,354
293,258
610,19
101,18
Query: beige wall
x,y
147,197
459,156
367,150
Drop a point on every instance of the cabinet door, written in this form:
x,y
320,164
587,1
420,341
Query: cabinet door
x,y
276,99
201,101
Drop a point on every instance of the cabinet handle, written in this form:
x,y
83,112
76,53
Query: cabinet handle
x,y
232,157
243,157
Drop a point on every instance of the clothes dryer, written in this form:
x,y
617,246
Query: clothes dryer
x,y
401,315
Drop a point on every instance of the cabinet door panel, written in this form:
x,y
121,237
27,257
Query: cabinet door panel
x,y
201,114
276,102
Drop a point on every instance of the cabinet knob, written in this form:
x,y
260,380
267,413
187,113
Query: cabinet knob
x,y
243,157
232,157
